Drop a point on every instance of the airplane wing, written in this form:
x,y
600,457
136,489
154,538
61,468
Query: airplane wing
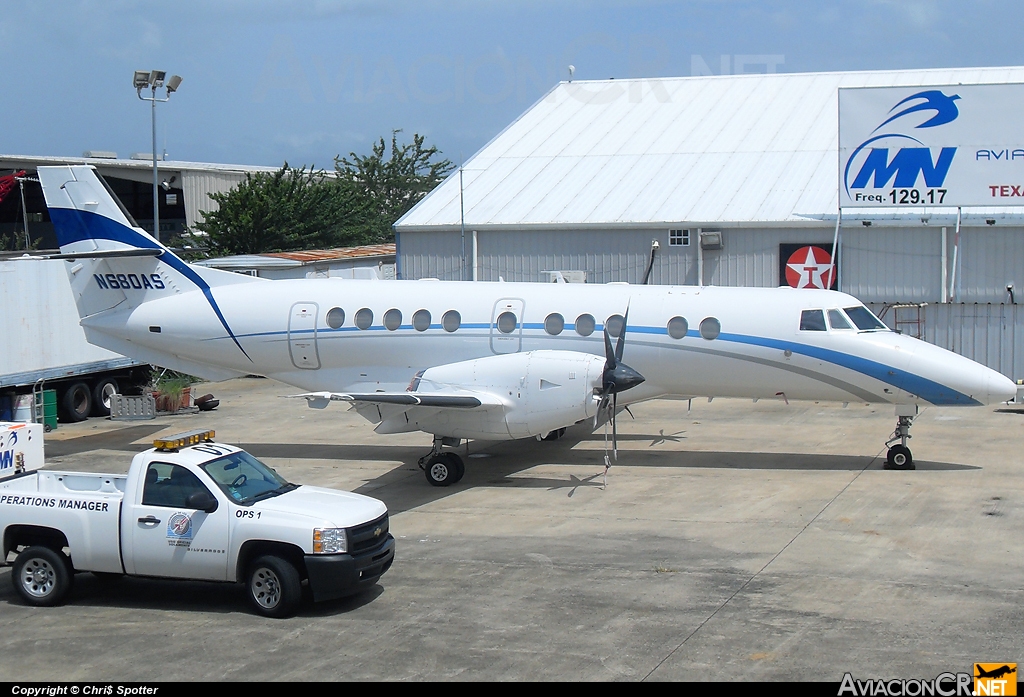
x,y
396,410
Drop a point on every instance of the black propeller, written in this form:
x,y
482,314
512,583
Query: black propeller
x,y
617,377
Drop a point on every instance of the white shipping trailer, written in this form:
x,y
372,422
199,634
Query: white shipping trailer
x,y
41,340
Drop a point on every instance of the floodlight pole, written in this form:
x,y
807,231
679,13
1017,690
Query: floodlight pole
x,y
155,80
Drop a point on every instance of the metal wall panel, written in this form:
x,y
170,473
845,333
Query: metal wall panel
x,y
992,257
433,255
892,264
197,186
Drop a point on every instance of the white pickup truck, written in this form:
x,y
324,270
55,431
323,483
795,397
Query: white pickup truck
x,y
191,508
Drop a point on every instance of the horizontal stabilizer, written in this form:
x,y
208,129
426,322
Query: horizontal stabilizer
x,y
101,254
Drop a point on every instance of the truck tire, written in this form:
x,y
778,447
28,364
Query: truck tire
x,y
102,395
41,576
273,587
77,402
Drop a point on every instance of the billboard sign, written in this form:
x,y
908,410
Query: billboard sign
x,y
956,145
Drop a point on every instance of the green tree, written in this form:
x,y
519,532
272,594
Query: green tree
x,y
394,182
287,210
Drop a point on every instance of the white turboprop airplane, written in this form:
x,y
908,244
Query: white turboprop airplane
x,y
492,361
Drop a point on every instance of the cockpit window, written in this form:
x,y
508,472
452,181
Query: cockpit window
x,y
812,321
837,320
863,318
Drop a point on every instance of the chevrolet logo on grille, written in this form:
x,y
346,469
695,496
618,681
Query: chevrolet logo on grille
x,y
377,531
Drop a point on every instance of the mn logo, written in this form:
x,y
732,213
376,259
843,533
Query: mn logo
x,y
995,679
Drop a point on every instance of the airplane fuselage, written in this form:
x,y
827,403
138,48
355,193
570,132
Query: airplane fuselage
x,y
738,342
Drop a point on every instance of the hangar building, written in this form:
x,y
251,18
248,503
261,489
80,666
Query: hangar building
x,y
183,197
726,174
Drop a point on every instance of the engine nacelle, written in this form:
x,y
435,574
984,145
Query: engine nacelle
x,y
542,391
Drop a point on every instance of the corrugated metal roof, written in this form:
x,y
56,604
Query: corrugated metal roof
x,y
730,149
282,260
311,256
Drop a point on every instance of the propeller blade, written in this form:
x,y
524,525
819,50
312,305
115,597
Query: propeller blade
x,y
615,434
620,345
609,352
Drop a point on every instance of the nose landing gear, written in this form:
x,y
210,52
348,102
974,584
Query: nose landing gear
x,y
442,468
899,457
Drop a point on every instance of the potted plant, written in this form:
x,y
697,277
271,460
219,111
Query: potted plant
x,y
171,390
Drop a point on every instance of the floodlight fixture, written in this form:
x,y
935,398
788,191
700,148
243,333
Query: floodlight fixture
x,y
172,84
156,77
141,79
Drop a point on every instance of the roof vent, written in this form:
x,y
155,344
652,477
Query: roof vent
x,y
100,154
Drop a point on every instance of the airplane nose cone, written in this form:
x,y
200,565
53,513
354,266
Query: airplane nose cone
x,y
1000,388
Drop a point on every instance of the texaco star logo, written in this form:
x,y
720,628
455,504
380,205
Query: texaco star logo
x,y
809,267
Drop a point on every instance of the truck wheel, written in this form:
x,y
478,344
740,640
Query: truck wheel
x,y
77,402
102,396
274,587
41,576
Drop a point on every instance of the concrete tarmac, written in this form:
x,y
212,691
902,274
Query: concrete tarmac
x,y
734,541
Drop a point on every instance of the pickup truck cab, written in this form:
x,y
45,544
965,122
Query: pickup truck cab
x,y
191,508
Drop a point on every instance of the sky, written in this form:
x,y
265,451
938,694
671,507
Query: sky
x,y
268,81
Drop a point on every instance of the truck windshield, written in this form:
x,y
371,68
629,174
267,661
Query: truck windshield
x,y
245,479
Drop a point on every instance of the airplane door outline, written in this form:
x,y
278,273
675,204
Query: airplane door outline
x,y
507,342
302,345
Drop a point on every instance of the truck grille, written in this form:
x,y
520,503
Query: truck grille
x,y
368,536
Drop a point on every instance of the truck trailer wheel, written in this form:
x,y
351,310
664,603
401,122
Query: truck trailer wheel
x,y
77,402
273,587
41,576
102,396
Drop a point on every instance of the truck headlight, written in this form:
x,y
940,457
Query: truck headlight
x,y
329,541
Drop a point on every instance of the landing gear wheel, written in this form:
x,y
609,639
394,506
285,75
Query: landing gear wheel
x,y
102,396
899,458
77,402
42,576
456,462
441,470
273,587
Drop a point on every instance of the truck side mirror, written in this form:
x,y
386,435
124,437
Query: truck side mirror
x,y
202,501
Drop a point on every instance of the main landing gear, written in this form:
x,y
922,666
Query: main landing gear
x,y
442,468
899,457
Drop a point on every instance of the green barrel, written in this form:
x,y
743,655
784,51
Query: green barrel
x,y
49,409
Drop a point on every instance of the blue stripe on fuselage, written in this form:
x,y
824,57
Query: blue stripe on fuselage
x,y
72,225
926,389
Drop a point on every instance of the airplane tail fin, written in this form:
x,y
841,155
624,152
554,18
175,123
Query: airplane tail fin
x,y
120,264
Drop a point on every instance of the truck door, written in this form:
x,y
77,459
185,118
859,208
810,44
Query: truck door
x,y
167,537
302,336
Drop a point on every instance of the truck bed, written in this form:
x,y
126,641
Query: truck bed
x,y
57,482
85,506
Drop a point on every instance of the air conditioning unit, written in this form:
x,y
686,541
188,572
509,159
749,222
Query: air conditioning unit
x,y
575,276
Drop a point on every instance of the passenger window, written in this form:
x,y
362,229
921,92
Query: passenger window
x,y
837,320
812,321
554,324
421,320
507,322
393,319
710,328
335,317
451,321
585,325
170,485
677,327
614,325
364,318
